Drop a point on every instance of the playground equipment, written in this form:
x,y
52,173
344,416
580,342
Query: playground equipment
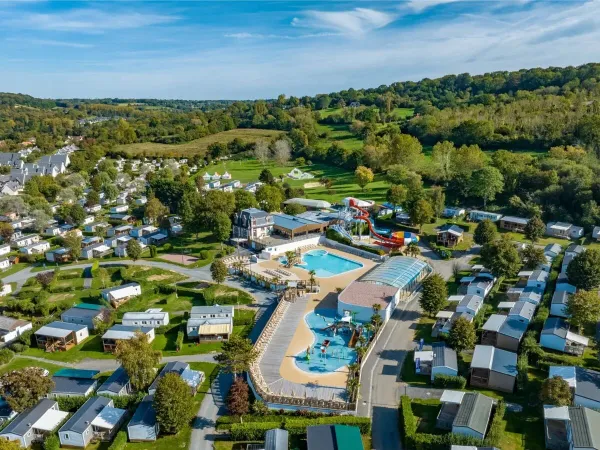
x,y
346,323
397,239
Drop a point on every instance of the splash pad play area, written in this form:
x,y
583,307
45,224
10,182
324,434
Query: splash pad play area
x,y
334,339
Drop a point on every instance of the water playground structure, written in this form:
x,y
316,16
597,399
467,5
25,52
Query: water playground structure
x,y
346,324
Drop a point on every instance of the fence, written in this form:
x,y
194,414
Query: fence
x,y
353,251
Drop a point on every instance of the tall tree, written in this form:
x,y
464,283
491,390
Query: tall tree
x,y
23,388
438,200
134,249
282,152
139,359
434,294
501,257
556,392
584,270
72,242
535,229
583,308
396,195
269,197
533,256
421,213
221,227
173,403
244,199
485,232
6,231
218,271
237,399
237,354
266,177
462,335
155,210
363,176
261,151
486,183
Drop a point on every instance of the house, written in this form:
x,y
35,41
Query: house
x,y
121,248
99,250
207,323
476,285
465,413
143,426
574,250
123,332
93,209
36,248
143,230
585,384
59,255
193,378
478,216
154,318
11,329
93,227
74,383
252,223
96,420
531,295
4,249
119,230
4,263
571,427
126,218
35,423
557,336
156,238
493,368
333,437
452,213
87,314
449,235
448,324
522,311
470,304
120,294
119,209
558,307
552,250
60,336
503,332
440,360
91,240
53,230
563,230
117,384
511,223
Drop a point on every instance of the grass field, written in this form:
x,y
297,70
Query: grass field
x,y
197,146
21,363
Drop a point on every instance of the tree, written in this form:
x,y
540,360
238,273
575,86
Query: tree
x,y
434,294
77,214
23,388
111,191
311,279
535,229
244,199
218,271
438,200
262,152
282,152
237,399
6,231
155,210
173,403
583,308
501,257
5,444
396,195
103,275
486,183
293,209
533,256
556,392
421,213
237,354
72,242
363,176
134,249
269,197
221,227
266,177
45,278
462,335
138,358
584,270
485,232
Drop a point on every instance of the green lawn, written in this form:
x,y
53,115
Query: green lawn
x,y
339,133
246,170
90,348
21,363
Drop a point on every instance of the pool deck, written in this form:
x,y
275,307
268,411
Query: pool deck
x,y
303,337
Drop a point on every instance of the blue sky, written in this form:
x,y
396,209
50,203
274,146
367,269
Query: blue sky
x,y
258,49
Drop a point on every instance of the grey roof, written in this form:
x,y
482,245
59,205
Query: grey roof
x,y
587,383
444,356
474,412
539,275
513,328
144,415
553,248
512,219
495,359
276,439
585,427
116,382
575,248
9,323
494,322
22,423
124,331
560,297
292,222
321,437
172,367
72,385
523,309
556,326
82,313
455,229
212,310
255,212
82,419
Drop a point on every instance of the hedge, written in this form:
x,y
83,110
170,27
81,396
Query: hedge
x,y
119,441
71,404
449,381
52,442
251,431
494,434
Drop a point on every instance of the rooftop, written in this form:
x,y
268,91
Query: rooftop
x,y
474,412
83,417
495,359
117,381
30,417
59,329
145,414
74,386
367,294
398,271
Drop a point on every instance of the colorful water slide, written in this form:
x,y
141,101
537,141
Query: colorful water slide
x,y
341,230
398,239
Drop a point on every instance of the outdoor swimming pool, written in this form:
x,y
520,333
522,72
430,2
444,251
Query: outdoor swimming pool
x,y
338,354
326,264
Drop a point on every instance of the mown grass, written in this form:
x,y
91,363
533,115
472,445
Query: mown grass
x,y
21,363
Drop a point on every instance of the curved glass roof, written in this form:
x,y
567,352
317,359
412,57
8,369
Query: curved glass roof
x,y
398,271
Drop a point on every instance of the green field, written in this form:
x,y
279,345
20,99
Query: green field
x,y
21,363
399,113
197,146
246,171
338,133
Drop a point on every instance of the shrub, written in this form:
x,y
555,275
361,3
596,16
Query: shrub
x,y
52,442
252,431
167,289
204,254
495,432
18,347
119,441
260,408
70,404
167,247
6,355
522,367
449,382
153,251
179,341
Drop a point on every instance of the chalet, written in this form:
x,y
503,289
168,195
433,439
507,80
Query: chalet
x,y
4,249
534,279
328,437
574,250
120,230
91,240
552,250
74,383
503,332
121,248
516,224
59,255
208,323
585,384
88,219
99,250
4,263
470,304
117,241
143,230
117,384
120,294
141,201
192,377
478,216
449,235
60,336
53,230
119,209
440,360
93,209
477,285
11,329
445,329
96,420
493,368
143,426
557,336
465,413
571,427
35,249
121,333
522,311
452,213
252,187
35,424
87,314
563,230
154,318
156,238
531,295
25,240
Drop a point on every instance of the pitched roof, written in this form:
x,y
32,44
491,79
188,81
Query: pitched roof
x,y
585,427
24,421
367,294
10,324
117,381
556,326
587,383
144,415
71,385
495,359
82,419
444,356
474,412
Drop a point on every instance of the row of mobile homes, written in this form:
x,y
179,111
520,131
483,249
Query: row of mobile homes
x,y
35,424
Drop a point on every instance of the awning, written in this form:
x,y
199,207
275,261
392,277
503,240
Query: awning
x,y
101,248
449,396
50,420
214,329
159,236
108,418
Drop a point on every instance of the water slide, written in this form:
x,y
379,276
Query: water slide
x,y
341,230
394,242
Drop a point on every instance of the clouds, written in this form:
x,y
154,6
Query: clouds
x,y
357,21
420,5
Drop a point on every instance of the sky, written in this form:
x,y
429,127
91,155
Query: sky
x,y
260,49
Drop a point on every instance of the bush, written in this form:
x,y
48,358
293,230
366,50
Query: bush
x,y
496,428
52,442
243,320
70,404
167,247
167,289
179,341
449,382
18,347
119,441
153,251
204,254
6,356
252,431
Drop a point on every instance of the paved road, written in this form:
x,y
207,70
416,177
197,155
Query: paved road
x,y
213,406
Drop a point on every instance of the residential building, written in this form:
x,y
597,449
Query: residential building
x,y
552,250
117,384
449,235
558,307
556,335
119,230
503,332
571,428
121,294
73,386
60,336
4,249
123,332
34,424
493,368
478,216
87,314
193,378
59,255
11,329
154,317
93,227
531,295
465,413
438,360
563,230
119,209
452,213
252,223
207,323
143,426
470,304
585,384
522,311
476,285
35,249
99,250
96,420
511,223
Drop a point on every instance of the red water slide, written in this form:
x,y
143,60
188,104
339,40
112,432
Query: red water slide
x,y
385,242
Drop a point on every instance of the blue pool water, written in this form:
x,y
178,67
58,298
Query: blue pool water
x,y
326,264
338,354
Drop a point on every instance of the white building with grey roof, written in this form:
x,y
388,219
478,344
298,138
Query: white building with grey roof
x,y
465,413
143,426
119,332
153,317
35,424
210,323
117,384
